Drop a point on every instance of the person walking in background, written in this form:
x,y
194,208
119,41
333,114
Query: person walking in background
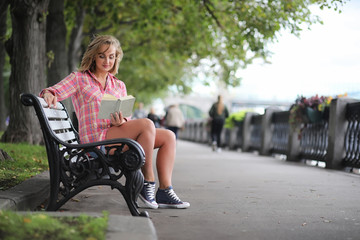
x,y
153,117
218,113
174,119
139,112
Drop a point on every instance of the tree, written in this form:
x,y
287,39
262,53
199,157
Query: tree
x,y
56,51
3,17
26,49
162,41
57,67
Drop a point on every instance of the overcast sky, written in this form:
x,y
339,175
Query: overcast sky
x,y
324,60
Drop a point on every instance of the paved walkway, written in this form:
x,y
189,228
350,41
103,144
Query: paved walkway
x,y
245,196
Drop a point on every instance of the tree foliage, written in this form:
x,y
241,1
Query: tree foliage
x,y
163,40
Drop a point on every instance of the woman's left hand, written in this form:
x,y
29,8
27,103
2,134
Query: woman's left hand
x,y
117,119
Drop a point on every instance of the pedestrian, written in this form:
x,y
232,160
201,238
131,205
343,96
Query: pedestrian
x,y
218,113
139,112
174,119
96,77
153,117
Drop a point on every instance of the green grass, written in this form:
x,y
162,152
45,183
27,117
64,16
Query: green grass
x,y
41,226
29,160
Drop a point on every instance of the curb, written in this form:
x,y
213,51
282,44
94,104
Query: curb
x,y
27,195
32,192
129,227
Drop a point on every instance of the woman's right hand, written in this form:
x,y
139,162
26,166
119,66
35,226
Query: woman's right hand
x,y
117,119
50,99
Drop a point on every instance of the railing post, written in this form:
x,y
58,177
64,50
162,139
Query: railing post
x,y
246,137
266,131
233,137
293,145
337,130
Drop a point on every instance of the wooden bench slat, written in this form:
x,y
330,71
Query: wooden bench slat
x,y
66,136
55,113
58,125
44,104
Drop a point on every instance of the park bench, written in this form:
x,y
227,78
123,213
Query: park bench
x,y
75,167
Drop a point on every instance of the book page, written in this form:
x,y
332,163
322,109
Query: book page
x,y
126,105
109,97
110,104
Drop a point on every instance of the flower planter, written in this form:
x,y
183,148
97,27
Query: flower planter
x,y
314,116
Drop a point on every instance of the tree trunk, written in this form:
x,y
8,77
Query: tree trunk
x,y
4,156
56,44
74,49
76,38
3,14
26,49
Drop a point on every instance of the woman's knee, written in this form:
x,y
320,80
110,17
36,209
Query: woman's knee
x,y
147,124
164,137
170,136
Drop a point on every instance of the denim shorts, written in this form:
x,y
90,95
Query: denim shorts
x,y
94,155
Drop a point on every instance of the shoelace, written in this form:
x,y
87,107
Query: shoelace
x,y
173,195
150,191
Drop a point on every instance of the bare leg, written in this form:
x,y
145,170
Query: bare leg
x,y
166,142
149,137
142,131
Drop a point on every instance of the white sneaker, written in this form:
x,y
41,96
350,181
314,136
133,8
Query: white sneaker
x,y
214,146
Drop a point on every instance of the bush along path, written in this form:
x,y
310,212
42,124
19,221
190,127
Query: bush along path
x,y
41,225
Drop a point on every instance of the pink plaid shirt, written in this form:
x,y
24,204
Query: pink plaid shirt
x,y
86,94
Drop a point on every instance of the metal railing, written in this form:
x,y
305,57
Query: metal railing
x,y
313,143
352,137
280,133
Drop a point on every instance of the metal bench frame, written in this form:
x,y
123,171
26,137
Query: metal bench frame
x,y
75,167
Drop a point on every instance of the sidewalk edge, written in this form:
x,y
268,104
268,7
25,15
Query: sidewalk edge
x,y
27,195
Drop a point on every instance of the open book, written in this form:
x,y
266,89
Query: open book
x,y
110,104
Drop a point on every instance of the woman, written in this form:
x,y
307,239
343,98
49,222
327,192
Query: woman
x,y
218,113
94,78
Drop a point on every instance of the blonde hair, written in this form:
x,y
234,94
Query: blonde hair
x,y
220,105
88,60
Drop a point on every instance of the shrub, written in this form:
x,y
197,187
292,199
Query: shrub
x,y
42,226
